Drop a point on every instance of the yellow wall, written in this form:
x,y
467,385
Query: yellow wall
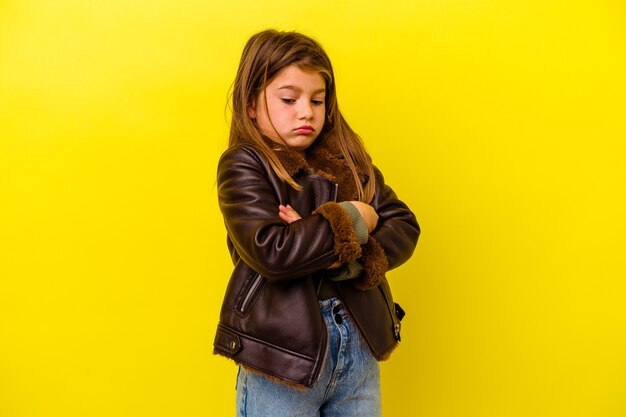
x,y
501,123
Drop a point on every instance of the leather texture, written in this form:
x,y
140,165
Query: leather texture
x,y
270,319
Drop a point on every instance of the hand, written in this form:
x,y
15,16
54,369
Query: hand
x,y
288,214
368,213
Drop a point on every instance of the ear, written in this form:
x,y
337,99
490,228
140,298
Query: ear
x,y
251,110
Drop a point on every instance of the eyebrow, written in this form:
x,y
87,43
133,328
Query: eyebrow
x,y
298,89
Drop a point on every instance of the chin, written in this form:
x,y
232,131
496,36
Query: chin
x,y
300,144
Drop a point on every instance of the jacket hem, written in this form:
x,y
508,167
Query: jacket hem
x,y
281,365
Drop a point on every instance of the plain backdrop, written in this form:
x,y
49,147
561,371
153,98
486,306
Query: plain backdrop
x,y
500,122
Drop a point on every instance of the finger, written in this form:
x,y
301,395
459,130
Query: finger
x,y
295,212
284,217
288,219
288,216
291,212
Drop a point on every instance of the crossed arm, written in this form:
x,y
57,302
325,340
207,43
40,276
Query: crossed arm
x,y
367,213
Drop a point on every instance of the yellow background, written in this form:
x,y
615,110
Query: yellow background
x,y
501,123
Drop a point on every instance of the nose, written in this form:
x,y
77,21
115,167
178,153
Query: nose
x,y
305,111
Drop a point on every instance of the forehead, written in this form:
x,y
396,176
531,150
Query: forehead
x,y
296,78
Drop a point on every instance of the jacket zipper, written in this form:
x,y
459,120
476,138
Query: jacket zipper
x,y
253,288
317,371
396,324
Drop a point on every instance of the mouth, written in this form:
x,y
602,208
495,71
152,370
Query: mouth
x,y
304,130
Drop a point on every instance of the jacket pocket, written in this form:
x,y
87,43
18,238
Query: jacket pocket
x,y
249,293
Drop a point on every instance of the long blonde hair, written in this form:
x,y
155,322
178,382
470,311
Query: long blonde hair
x,y
264,56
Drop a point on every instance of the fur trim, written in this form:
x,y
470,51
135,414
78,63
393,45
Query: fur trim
x,y
290,384
388,353
345,240
326,159
374,262
323,158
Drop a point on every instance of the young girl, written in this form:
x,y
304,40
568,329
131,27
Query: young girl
x,y
312,228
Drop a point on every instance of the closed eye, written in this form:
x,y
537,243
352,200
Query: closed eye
x,y
317,102
288,100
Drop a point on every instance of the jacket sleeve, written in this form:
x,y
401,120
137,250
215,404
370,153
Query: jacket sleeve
x,y
249,203
393,241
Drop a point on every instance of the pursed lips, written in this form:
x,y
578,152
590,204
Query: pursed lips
x,y
304,130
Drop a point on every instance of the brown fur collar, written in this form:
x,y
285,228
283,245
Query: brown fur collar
x,y
323,158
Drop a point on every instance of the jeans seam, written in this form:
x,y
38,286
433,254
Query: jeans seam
x,y
344,338
244,393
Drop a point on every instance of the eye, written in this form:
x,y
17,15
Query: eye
x,y
288,100
317,102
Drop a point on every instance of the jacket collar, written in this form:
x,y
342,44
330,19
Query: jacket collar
x,y
323,158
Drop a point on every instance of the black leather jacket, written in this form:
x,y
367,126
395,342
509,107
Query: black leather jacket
x,y
270,319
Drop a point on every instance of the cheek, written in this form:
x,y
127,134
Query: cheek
x,y
322,115
273,112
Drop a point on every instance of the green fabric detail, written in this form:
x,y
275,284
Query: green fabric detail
x,y
349,270
357,222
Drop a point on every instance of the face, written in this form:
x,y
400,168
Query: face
x,y
295,106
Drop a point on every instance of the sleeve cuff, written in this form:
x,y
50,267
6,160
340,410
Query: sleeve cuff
x,y
345,239
350,270
375,263
357,221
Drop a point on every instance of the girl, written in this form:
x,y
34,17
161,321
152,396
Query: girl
x,y
311,228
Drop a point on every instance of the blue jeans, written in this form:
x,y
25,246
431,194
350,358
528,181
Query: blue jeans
x,y
349,385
